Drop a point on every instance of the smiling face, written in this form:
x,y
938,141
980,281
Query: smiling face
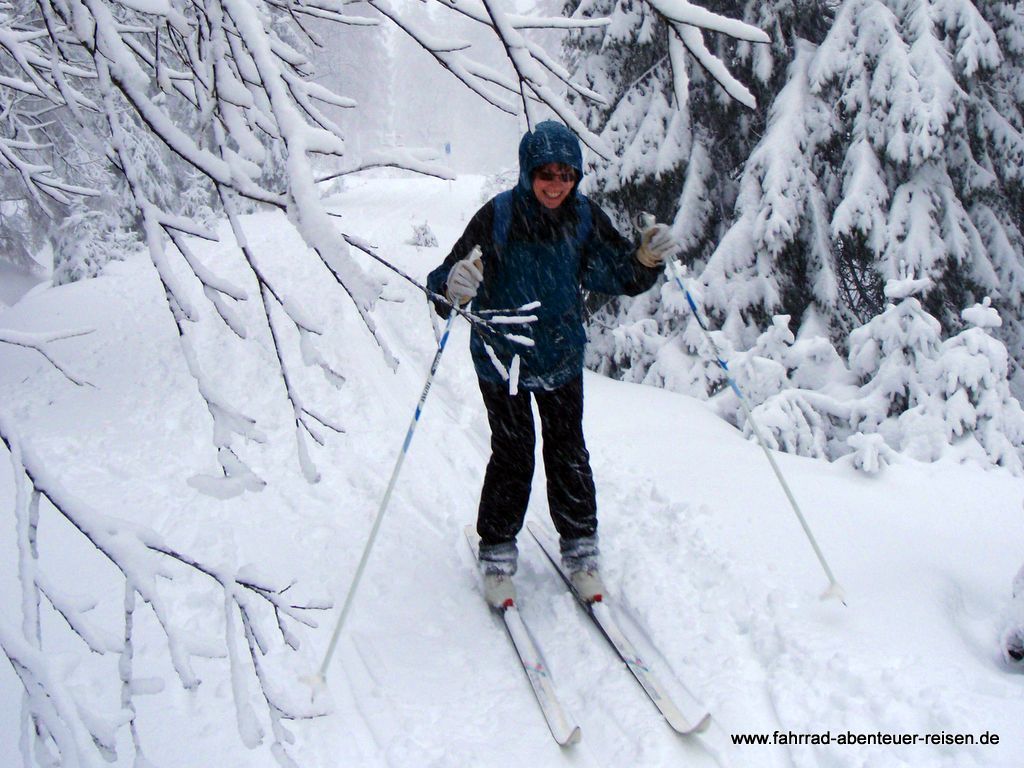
x,y
552,183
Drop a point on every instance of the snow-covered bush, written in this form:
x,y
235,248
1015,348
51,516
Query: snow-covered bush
x,y
796,388
930,398
892,357
499,182
628,340
902,391
87,239
978,408
423,236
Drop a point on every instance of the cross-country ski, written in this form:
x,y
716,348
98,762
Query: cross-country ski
x,y
563,729
600,612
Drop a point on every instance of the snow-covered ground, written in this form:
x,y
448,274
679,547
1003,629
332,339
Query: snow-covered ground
x,y
702,553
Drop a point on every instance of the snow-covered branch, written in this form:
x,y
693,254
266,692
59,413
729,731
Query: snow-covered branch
x,y
148,564
449,54
39,342
488,322
532,81
689,15
400,158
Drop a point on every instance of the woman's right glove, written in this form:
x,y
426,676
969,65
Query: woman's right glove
x,y
656,244
465,277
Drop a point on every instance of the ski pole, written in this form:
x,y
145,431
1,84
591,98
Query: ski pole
x,y
320,678
833,589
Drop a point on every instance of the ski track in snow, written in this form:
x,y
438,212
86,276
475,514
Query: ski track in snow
x,y
701,552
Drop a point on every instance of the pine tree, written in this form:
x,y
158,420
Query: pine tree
x,y
895,139
929,398
894,145
801,386
682,139
981,415
892,356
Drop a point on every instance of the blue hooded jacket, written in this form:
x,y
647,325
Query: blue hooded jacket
x,y
531,253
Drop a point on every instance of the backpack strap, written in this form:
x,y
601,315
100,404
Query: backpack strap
x,y
586,219
502,219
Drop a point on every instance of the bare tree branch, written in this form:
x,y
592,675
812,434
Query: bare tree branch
x,y
39,343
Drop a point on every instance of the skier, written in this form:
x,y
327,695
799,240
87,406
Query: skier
x,y
542,241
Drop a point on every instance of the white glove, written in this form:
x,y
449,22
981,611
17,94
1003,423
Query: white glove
x,y
656,244
465,277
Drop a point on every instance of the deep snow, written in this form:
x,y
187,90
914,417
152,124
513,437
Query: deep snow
x,y
700,546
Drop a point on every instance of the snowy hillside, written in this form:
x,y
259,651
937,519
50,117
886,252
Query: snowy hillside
x,y
703,556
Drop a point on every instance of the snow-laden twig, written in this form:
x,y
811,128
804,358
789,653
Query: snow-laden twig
x,y
401,158
484,321
474,11
227,421
39,342
449,55
532,81
50,704
685,14
125,672
512,22
693,39
72,609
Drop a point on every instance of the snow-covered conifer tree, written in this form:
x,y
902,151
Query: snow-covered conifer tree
x,y
892,356
907,157
798,386
978,408
893,147
929,398
683,137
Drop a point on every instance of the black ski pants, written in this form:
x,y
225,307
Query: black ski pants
x,y
506,492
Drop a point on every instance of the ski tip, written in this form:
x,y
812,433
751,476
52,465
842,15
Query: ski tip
x,y
692,730
575,737
702,725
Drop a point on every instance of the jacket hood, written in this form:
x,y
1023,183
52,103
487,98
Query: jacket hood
x,y
549,142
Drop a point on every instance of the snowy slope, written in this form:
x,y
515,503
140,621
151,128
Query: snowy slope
x,y
699,543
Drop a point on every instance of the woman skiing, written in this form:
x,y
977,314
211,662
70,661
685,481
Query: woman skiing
x,y
541,241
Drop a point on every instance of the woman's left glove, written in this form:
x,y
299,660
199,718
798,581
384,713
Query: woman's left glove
x,y
465,277
656,245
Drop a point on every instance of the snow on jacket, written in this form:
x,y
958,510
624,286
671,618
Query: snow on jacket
x,y
546,256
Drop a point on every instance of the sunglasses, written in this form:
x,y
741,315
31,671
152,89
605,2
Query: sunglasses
x,y
566,177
